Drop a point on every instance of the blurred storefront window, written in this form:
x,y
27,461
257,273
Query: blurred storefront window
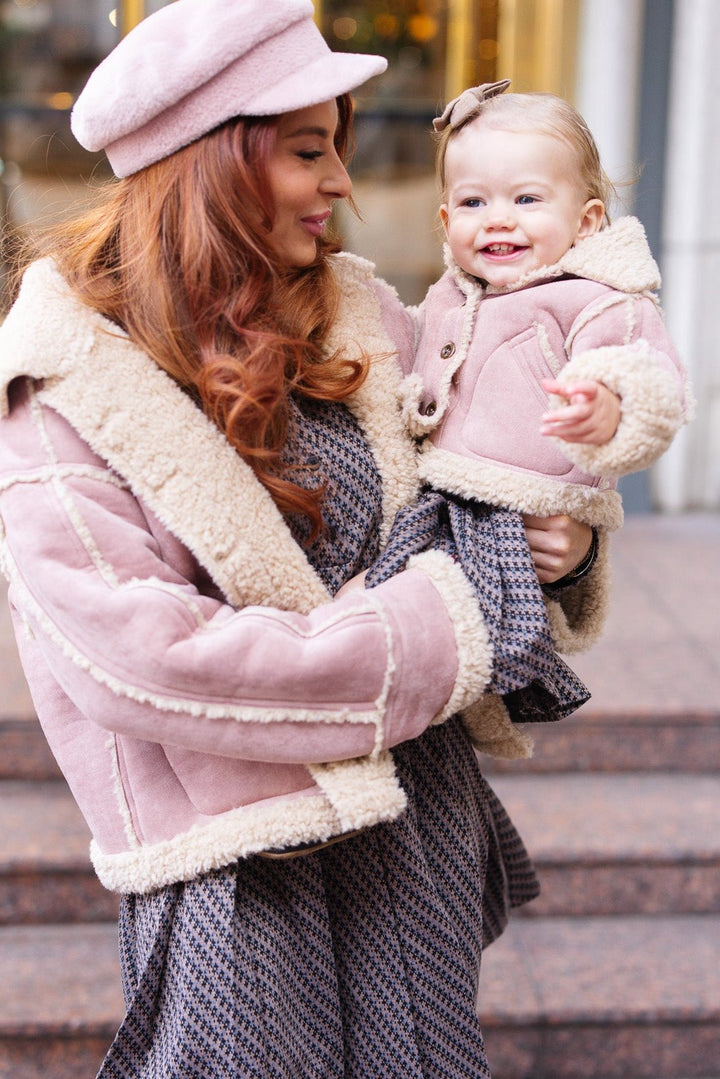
x,y
434,47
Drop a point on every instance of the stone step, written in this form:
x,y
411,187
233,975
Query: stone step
x,y
60,999
24,752
607,844
45,870
594,741
591,742
603,998
575,998
602,844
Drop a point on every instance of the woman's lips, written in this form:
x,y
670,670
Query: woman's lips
x,y
316,223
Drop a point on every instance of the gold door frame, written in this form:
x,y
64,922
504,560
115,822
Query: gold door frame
x,y
536,44
542,59
131,13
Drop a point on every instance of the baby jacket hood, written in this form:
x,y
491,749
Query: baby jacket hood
x,y
617,256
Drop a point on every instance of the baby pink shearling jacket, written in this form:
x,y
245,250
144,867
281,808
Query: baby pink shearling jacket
x,y
188,666
476,393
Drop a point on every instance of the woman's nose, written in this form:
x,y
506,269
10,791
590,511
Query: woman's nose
x,y
337,183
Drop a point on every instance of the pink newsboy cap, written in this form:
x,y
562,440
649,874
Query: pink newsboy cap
x,y
196,63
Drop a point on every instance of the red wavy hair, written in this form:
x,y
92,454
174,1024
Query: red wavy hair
x,y
172,255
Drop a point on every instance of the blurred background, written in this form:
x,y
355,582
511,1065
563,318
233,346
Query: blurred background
x,y
642,73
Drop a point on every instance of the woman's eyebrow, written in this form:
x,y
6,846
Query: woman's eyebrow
x,y
321,131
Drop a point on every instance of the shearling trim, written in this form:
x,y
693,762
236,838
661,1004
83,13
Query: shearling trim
x,y
382,698
551,358
197,485
492,732
412,390
361,791
120,797
411,395
64,472
600,306
238,833
66,500
577,616
375,404
617,256
177,460
526,492
474,649
651,410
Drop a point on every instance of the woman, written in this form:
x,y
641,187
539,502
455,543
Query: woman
x,y
200,446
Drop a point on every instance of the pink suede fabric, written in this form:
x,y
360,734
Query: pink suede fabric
x,y
210,708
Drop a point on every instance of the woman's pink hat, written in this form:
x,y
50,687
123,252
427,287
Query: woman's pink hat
x,y
196,63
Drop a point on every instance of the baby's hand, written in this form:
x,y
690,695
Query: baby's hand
x,y
591,416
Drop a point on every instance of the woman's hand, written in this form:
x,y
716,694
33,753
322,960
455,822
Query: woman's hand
x,y
352,585
557,544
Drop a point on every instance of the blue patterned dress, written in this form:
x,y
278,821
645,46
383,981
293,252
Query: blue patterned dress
x,y
361,960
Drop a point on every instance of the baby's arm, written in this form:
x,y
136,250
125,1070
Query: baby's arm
x,y
590,416
624,346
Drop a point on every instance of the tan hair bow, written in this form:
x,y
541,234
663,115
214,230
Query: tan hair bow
x,y
463,108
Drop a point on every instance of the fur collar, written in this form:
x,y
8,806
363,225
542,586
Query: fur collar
x,y
136,418
617,256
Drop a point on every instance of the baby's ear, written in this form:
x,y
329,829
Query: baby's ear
x,y
591,218
444,216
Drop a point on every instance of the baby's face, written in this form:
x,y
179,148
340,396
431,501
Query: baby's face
x,y
514,202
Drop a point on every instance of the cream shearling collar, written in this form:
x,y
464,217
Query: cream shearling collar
x,y
136,418
617,256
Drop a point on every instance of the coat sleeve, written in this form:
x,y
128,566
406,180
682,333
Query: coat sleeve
x,y
622,342
139,650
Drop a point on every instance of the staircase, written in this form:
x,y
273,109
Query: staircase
x,y
615,970
614,973
60,1000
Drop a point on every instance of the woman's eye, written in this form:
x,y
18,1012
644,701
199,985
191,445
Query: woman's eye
x,y
310,155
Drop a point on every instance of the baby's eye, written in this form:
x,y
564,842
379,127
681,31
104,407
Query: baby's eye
x,y
472,203
526,200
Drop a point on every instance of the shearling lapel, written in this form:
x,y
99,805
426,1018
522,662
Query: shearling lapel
x,y
135,417
376,404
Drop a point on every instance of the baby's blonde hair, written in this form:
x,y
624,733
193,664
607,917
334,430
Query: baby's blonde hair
x,y
550,115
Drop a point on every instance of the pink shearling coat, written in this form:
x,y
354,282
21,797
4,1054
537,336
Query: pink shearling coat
x,y
186,662
204,697
475,391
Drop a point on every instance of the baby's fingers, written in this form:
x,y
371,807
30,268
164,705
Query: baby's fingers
x,y
582,390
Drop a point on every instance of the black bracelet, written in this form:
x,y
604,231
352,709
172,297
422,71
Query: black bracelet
x,y
581,570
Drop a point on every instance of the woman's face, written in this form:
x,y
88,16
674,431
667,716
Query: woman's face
x,y
305,176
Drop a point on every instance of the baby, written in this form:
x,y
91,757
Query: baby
x,y
542,296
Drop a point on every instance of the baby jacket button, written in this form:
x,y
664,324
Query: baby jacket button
x,y
447,351
428,409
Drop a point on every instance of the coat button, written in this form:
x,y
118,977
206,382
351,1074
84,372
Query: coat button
x,y
447,351
429,409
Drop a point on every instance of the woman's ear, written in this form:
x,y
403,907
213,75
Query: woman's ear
x,y
591,218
